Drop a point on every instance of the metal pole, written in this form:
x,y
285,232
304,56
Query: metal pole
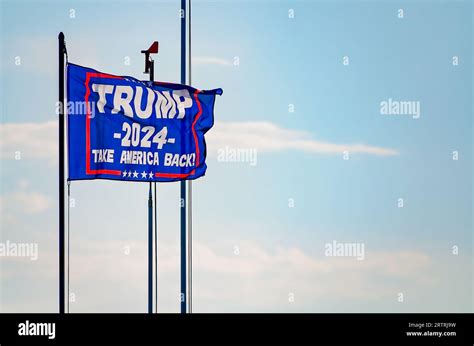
x,y
183,183
156,250
155,236
190,248
68,239
150,229
150,251
61,51
190,190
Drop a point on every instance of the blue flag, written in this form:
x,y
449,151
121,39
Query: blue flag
x,y
122,128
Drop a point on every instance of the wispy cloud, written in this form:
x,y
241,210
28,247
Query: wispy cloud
x,y
23,201
39,140
269,137
30,202
257,279
29,141
210,60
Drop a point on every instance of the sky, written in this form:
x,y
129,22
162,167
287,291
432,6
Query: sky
x,y
303,85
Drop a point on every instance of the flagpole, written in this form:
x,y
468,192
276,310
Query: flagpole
x,y
156,248
150,224
155,235
151,71
183,182
150,251
61,51
190,190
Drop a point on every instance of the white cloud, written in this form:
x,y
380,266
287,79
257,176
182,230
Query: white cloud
x,y
106,279
258,277
269,137
39,140
31,140
209,60
30,202
23,200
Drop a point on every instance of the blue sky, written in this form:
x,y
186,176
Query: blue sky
x,y
282,61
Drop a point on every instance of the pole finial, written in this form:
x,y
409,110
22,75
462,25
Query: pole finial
x,y
152,50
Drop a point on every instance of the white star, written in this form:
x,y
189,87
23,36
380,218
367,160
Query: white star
x,y
150,175
129,174
124,173
143,174
135,174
